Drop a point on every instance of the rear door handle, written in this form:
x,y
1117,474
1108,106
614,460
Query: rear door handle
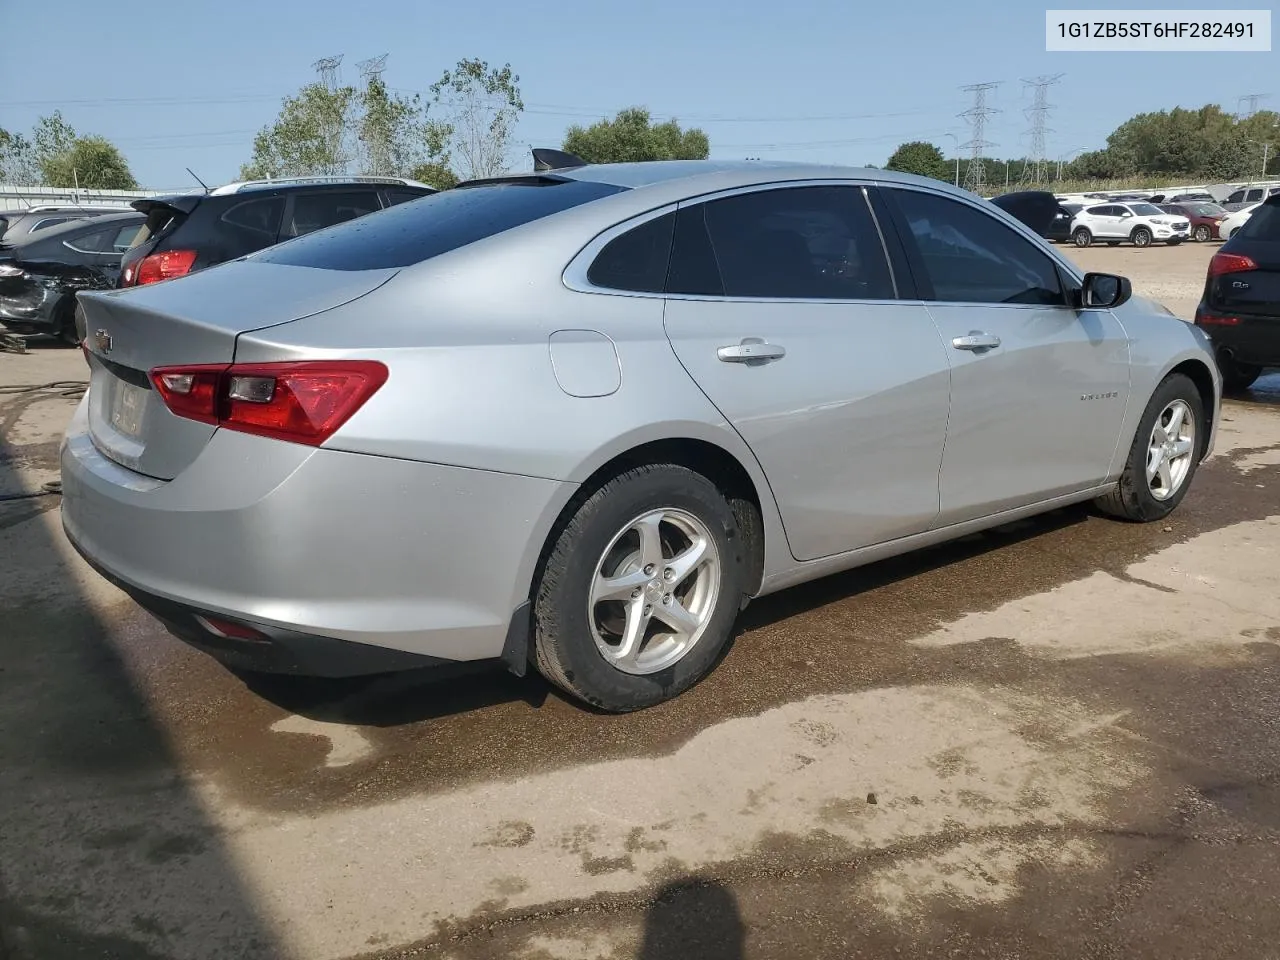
x,y
976,340
751,350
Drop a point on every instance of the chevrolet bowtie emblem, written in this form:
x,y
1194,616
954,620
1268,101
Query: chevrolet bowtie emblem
x,y
102,340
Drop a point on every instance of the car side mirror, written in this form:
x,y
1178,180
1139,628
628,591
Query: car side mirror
x,y
1104,291
1127,213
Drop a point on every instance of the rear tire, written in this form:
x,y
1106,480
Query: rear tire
x,y
1237,376
1141,237
616,644
1082,237
1141,495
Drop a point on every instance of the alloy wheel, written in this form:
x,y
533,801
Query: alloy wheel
x,y
1170,449
654,591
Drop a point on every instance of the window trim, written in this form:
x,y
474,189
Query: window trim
x,y
70,245
1069,276
574,276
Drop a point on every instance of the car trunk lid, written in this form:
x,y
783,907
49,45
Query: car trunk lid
x,y
194,320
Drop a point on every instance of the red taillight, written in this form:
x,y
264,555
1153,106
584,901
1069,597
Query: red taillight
x,y
303,402
1230,263
1206,319
161,266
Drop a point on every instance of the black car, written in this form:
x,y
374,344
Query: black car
x,y
1240,309
191,231
1039,210
16,225
40,276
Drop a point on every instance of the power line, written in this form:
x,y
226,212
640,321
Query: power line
x,y
1033,171
975,176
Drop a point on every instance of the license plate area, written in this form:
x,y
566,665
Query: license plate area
x,y
128,409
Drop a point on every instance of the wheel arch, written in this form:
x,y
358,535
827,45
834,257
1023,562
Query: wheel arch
x,y
734,471
1198,372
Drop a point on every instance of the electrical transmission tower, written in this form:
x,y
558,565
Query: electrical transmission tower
x,y
327,68
1252,100
374,132
1034,169
975,176
336,162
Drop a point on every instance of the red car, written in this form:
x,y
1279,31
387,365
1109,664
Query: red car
x,y
1205,218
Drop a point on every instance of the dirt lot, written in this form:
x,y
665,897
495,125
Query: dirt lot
x,y
1059,739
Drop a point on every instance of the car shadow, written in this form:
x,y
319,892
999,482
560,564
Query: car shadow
x,y
1265,391
105,849
693,918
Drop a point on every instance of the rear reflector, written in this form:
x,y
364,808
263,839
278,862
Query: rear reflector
x,y
1230,263
231,630
162,266
302,402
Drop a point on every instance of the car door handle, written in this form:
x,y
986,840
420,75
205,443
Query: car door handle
x,y
751,350
976,340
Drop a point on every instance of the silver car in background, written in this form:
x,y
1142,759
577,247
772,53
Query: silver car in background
x,y
579,417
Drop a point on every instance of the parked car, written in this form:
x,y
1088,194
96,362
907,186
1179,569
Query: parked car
x,y
1205,218
1235,220
1137,222
1038,209
1240,306
1248,196
580,416
15,225
41,275
1198,196
191,231
1060,229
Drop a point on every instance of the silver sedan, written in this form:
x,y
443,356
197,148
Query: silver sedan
x,y
577,418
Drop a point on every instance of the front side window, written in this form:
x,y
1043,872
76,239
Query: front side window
x,y
971,257
1253,196
803,243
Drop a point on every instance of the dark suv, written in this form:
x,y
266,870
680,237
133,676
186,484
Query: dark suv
x,y
190,231
1240,309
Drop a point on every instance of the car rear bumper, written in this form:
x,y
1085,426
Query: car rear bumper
x,y
1254,341
345,563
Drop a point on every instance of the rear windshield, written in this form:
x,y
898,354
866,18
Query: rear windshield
x,y
444,221
1263,223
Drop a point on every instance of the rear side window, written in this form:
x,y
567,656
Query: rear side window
x,y
801,243
99,241
125,237
971,257
259,217
636,260
1263,224
1253,196
444,221
315,211
403,196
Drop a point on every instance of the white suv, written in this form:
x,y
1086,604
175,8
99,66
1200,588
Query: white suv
x,y
1137,222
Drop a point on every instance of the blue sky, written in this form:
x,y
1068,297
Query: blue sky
x,y
188,84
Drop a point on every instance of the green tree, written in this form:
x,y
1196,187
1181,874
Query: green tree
x,y
17,160
434,174
479,105
632,136
311,135
923,158
395,134
91,162
52,139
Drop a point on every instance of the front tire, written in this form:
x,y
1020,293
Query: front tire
x,y
1203,234
1141,237
1082,237
1164,456
639,594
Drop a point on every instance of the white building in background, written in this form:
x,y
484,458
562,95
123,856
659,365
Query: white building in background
x,y
16,197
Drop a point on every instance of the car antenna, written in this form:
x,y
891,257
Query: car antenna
x,y
198,180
